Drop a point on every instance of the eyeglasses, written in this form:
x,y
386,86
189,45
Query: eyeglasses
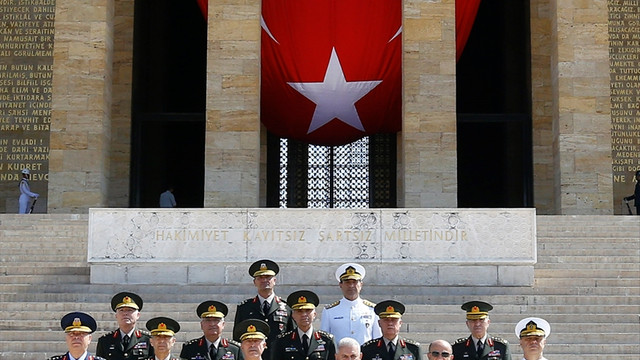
x,y
443,354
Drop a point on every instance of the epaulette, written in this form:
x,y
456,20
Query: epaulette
x,y
461,340
245,301
500,340
370,342
368,303
110,333
57,357
142,332
285,334
412,342
332,305
192,341
233,342
322,332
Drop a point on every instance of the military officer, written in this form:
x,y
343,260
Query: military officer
x,y
391,346
78,328
211,346
253,334
266,305
533,333
480,345
126,342
163,337
303,343
351,316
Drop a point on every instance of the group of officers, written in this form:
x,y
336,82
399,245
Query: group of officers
x,y
266,327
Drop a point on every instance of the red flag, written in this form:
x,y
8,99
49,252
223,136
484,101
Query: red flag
x,y
331,69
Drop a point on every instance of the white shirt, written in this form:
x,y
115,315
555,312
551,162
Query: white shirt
x,y
352,319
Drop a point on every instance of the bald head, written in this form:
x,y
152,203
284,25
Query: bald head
x,y
441,347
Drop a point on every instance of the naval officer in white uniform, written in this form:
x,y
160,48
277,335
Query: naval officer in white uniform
x,y
351,316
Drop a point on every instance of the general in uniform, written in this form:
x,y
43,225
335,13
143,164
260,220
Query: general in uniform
x,y
126,342
304,343
265,306
533,333
211,346
163,337
351,316
253,334
390,346
480,345
78,328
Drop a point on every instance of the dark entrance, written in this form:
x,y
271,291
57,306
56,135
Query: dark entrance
x,y
168,107
494,109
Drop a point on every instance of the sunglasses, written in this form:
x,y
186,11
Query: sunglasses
x,y
437,353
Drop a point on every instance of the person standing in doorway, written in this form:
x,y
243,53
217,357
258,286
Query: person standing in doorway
x,y
167,200
636,194
25,192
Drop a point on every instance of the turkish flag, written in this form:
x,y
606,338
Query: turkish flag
x,y
331,69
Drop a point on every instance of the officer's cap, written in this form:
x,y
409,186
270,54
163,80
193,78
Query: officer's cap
x,y
263,267
389,309
251,329
78,321
163,326
303,299
532,326
350,271
126,299
212,309
477,309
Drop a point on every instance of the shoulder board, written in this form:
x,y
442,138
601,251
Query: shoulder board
x,y
459,341
144,332
372,341
110,333
324,333
284,334
411,342
246,301
278,299
192,341
499,339
57,357
233,342
368,303
332,305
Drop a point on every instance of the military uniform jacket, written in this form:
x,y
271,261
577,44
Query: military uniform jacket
x,y
196,349
278,318
405,350
355,319
67,357
494,348
288,346
170,358
139,348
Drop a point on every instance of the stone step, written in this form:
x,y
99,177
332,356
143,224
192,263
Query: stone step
x,y
44,270
588,262
582,273
45,279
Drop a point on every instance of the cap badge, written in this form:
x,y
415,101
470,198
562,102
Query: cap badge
x,y
531,326
350,271
162,326
127,300
212,308
251,328
302,300
77,322
263,266
390,309
475,309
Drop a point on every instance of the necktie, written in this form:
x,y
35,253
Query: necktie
x,y
265,307
125,341
480,348
305,343
212,352
391,351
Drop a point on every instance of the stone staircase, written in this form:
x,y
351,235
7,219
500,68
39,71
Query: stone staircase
x,y
587,285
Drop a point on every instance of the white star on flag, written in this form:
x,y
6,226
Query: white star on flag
x,y
335,98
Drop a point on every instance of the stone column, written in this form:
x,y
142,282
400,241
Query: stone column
x,y
581,108
232,151
81,105
427,150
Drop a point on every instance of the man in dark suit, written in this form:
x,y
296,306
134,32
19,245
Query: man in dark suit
x,y
78,328
480,345
265,306
304,343
390,346
211,346
126,342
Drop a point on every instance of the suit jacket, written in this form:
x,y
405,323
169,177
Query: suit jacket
x,y
495,348
278,318
405,350
196,349
288,346
139,348
66,357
